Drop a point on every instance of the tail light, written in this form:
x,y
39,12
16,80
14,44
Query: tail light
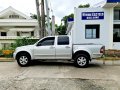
x,y
102,50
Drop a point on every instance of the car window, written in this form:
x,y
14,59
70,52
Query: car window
x,y
47,41
63,40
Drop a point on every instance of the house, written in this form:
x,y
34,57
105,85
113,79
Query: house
x,y
99,24
14,24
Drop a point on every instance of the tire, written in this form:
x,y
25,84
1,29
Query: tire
x,y
23,60
81,61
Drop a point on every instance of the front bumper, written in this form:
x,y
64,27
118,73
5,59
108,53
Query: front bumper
x,y
14,55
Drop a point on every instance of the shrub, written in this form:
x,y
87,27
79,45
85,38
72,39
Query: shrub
x,y
8,52
22,42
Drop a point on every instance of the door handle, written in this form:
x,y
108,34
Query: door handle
x,y
52,47
67,47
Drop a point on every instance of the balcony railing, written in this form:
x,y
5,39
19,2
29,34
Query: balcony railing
x,y
16,37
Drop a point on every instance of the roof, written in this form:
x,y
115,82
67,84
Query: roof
x,y
9,9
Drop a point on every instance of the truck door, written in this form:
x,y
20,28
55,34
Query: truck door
x,y
63,48
45,49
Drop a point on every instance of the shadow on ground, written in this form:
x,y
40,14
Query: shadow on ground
x,y
60,63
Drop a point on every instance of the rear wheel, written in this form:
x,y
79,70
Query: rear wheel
x,y
81,61
23,60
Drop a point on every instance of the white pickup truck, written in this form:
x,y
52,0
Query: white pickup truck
x,y
58,48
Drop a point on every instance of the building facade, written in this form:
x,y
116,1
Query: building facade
x,y
98,24
15,24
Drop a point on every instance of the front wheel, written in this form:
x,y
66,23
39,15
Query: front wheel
x,y
23,60
81,61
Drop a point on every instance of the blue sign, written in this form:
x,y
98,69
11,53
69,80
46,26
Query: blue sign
x,y
92,15
113,1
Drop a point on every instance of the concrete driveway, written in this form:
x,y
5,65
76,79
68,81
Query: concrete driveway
x,y
59,76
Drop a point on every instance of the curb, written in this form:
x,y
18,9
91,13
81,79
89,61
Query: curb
x,y
109,62
7,60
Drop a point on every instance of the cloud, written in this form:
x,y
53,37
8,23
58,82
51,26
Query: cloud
x,y
25,6
60,7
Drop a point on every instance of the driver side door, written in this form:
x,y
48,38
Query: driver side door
x,y
45,49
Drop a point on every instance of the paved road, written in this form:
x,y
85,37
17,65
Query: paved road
x,y
59,76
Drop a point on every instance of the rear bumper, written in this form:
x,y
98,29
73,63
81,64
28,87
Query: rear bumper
x,y
97,55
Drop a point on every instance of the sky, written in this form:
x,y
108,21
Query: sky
x,y
60,8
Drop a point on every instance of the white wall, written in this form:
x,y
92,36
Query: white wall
x,y
36,32
12,13
106,27
11,33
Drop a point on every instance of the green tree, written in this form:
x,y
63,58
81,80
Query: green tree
x,y
65,18
33,16
61,29
84,6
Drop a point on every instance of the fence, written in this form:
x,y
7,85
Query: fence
x,y
112,53
8,51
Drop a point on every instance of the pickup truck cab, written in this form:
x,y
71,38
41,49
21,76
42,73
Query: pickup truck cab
x,y
58,48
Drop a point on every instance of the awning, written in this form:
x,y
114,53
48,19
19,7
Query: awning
x,y
22,29
113,1
108,3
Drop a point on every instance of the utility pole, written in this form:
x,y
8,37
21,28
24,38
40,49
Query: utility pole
x,y
48,18
53,25
38,17
42,19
